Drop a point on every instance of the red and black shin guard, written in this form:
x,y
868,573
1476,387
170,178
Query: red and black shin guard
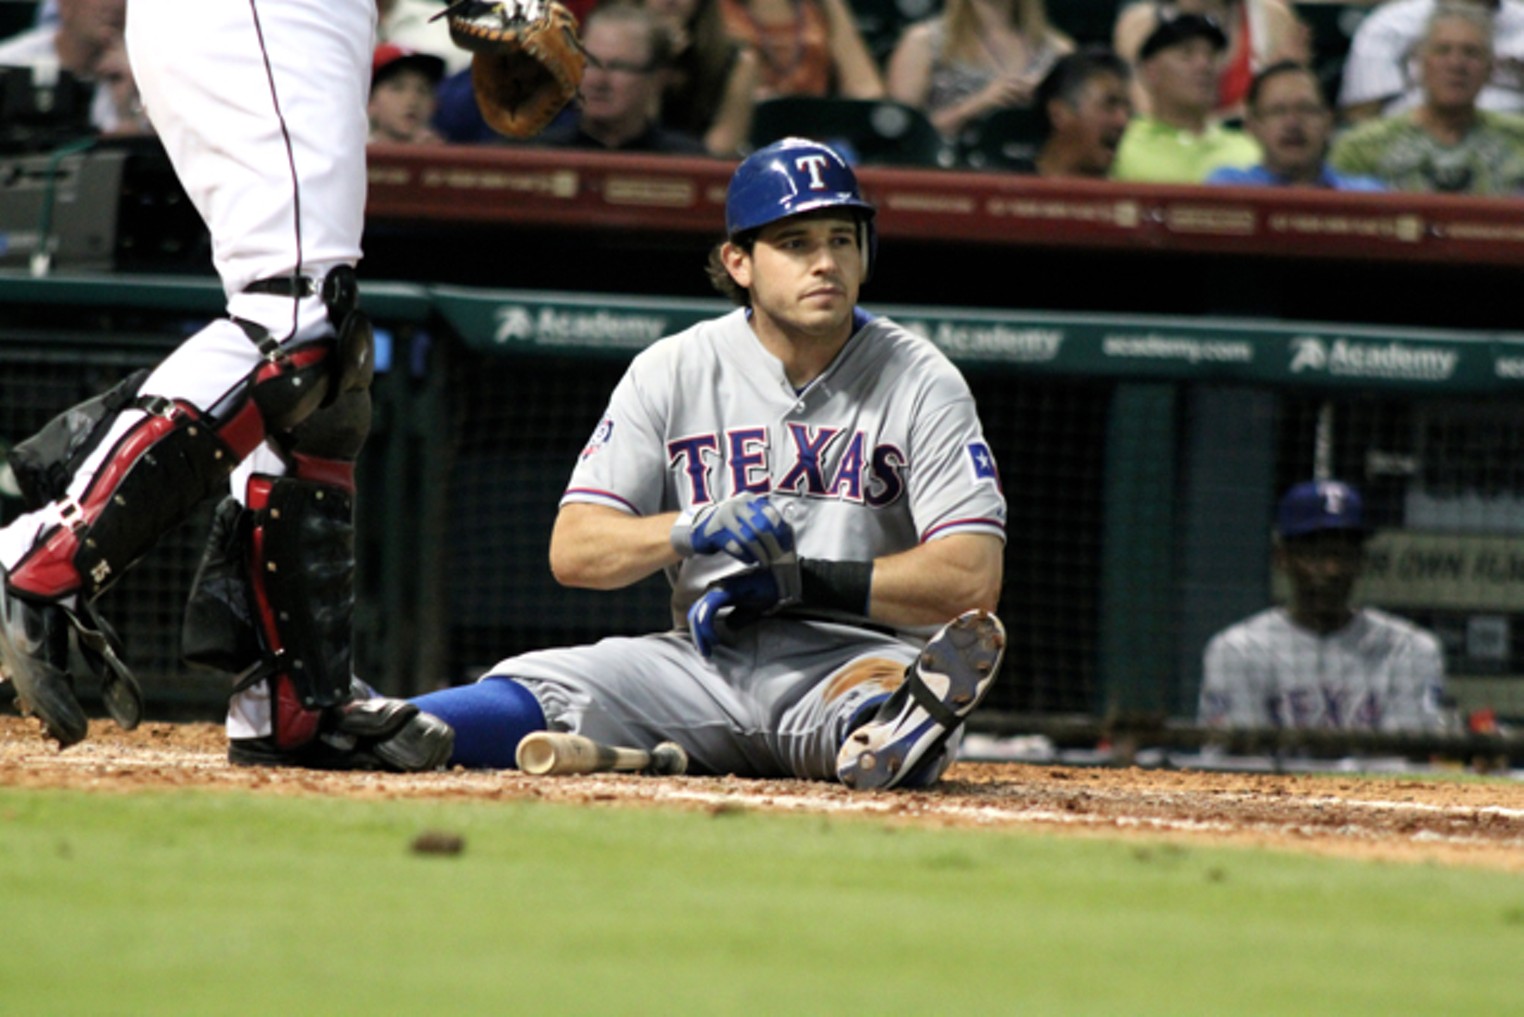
x,y
301,570
164,465
274,603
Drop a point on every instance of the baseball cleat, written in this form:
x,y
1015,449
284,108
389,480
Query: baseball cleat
x,y
34,652
100,651
369,733
941,689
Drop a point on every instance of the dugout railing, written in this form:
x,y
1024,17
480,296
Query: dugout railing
x,y
1140,455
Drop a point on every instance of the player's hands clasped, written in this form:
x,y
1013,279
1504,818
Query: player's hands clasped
x,y
739,600
747,527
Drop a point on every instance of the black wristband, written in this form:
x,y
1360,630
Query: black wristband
x,y
836,585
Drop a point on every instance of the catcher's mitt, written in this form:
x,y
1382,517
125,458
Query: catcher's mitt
x,y
526,63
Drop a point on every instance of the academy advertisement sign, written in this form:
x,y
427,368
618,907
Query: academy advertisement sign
x,y
1180,348
1012,343
505,320
1509,367
554,325
1390,360
1114,346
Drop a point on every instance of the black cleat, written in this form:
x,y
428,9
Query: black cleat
x,y
34,653
363,734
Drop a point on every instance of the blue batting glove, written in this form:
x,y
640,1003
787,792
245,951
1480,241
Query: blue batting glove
x,y
741,598
704,621
746,527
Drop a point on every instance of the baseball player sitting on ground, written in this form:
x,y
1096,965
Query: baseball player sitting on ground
x,y
1318,662
815,483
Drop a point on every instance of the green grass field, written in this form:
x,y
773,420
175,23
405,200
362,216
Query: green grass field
x,y
214,903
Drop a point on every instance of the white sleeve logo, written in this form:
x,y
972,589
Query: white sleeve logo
x,y
984,462
600,438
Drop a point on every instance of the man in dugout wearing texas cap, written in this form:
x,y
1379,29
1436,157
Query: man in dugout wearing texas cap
x,y
815,484
1319,662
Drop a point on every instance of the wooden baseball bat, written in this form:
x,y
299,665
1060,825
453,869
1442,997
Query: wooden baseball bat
x,y
553,752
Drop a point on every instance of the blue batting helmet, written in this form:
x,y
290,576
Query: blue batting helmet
x,y
1318,505
791,177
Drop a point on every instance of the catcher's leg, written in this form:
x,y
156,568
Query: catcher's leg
x,y
299,568
159,457
274,602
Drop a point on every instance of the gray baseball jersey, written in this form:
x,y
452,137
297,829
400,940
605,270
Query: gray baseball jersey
x,y
1378,673
882,452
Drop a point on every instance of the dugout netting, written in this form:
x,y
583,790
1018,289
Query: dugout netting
x,y
1141,499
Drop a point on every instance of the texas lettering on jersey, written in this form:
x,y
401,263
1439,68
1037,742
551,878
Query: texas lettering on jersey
x,y
1326,706
718,466
1306,707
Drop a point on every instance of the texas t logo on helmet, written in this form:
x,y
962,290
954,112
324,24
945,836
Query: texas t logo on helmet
x,y
791,177
813,165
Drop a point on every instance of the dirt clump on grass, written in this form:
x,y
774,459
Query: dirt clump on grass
x,y
1383,818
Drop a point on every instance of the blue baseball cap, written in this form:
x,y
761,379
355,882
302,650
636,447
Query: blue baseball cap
x,y
1317,505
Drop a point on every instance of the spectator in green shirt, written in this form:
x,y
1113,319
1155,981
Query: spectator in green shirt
x,y
1179,142
1446,144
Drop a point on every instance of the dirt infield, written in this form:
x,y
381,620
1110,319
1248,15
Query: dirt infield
x,y
1475,823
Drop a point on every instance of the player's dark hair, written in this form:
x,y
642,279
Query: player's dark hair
x,y
1069,76
719,275
1275,70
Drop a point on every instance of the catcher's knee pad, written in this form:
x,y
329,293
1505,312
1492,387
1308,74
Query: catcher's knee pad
x,y
354,362
296,380
274,597
287,387
335,432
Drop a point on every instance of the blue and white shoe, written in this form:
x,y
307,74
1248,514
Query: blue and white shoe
x,y
941,689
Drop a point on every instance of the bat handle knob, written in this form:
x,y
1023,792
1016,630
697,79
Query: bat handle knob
x,y
669,760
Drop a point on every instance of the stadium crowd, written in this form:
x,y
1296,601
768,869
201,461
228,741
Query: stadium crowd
x,y
1415,95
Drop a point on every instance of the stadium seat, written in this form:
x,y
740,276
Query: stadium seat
x,y
16,16
881,22
1001,140
865,131
1087,22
